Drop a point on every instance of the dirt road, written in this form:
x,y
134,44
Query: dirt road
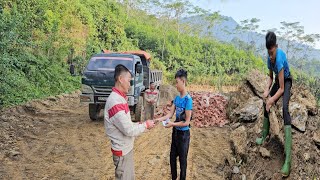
x,y
55,139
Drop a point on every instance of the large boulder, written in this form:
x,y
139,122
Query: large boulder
x,y
250,111
299,116
239,139
257,81
238,100
303,96
276,124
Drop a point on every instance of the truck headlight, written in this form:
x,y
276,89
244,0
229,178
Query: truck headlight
x,y
85,89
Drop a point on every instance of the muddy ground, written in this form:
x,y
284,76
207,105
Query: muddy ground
x,y
55,139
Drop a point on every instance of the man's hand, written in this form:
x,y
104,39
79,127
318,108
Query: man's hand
x,y
149,124
169,124
270,102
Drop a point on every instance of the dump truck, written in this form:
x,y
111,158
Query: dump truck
x,y
98,80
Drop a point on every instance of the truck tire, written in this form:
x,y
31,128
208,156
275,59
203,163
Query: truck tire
x,y
93,111
139,110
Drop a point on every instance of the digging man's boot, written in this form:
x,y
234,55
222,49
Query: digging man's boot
x,y
265,131
287,147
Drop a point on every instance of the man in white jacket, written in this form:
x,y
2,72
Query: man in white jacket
x,y
119,127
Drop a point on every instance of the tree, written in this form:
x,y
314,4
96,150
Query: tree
x,y
249,26
291,32
177,9
310,41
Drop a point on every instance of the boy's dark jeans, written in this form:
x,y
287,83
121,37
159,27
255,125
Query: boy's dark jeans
x,y
179,147
286,98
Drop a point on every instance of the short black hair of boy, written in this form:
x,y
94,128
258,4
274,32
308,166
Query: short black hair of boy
x,y
271,40
181,73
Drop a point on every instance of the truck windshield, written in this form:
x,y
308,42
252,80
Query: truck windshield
x,y
109,63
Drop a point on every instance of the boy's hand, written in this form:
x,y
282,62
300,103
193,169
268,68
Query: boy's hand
x,y
169,124
270,102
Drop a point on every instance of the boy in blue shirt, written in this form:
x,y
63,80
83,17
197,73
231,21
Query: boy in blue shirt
x,y
182,104
278,64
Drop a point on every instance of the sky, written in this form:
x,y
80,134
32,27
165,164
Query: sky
x,y
270,12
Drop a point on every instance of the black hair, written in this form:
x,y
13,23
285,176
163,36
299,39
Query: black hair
x,y
119,70
271,40
151,82
181,73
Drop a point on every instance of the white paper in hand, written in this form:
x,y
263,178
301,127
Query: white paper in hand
x,y
165,122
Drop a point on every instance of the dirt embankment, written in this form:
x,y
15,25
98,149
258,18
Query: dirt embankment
x,y
264,162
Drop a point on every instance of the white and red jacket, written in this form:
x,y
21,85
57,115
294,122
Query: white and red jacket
x,y
119,127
